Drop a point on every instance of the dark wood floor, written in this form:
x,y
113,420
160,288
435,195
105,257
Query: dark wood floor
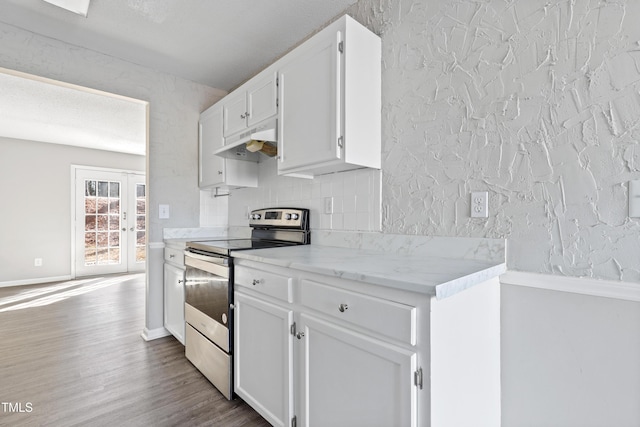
x,y
71,354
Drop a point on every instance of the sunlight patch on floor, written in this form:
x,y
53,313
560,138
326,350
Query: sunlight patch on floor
x,y
60,292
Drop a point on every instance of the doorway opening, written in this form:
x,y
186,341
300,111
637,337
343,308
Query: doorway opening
x,y
48,127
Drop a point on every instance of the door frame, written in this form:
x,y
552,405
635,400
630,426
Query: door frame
x,y
74,169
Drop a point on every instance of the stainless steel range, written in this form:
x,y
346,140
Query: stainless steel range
x,y
209,289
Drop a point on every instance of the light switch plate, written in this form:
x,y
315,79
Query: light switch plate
x,y
163,211
634,198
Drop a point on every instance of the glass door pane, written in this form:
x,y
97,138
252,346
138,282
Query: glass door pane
x,y
102,222
137,225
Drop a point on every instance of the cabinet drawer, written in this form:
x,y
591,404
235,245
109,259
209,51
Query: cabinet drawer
x,y
174,256
383,317
275,285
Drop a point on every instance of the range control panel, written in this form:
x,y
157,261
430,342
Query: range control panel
x,y
280,217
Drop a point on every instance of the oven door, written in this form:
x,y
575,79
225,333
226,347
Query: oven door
x,y
208,297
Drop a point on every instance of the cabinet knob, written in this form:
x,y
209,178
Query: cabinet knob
x,y
256,282
172,256
219,172
343,307
180,281
300,335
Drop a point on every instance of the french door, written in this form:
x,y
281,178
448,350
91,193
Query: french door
x,y
110,226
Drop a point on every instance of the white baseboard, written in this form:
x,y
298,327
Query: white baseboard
x,y
628,291
154,334
34,281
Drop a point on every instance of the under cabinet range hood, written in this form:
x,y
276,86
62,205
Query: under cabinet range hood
x,y
251,144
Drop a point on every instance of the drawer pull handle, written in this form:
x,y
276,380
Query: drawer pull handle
x,y
343,308
256,282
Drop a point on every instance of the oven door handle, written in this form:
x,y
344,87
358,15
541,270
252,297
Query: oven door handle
x,y
207,258
201,264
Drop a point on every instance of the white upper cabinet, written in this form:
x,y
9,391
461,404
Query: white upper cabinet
x,y
216,171
310,122
235,113
262,99
326,95
211,167
329,116
250,104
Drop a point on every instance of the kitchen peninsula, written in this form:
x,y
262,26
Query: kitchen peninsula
x,y
344,336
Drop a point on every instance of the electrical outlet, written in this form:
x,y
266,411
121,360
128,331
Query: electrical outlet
x,y
479,204
37,262
328,205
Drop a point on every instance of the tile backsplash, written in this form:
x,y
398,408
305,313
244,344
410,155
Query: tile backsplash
x,y
355,196
214,210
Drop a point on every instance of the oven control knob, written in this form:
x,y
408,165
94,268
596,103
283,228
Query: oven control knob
x,y
287,216
294,216
255,216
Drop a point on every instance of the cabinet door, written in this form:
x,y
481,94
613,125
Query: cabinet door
x,y
263,358
310,108
174,301
235,113
211,167
261,100
349,379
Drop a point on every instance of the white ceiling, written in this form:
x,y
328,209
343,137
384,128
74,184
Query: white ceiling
x,y
37,109
219,43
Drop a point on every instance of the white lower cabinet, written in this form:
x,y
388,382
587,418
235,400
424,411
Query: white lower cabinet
x,y
174,301
263,368
350,379
321,364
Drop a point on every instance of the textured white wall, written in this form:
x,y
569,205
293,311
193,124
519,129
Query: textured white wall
x,y
536,102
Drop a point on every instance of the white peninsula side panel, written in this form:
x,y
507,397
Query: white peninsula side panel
x,y
465,335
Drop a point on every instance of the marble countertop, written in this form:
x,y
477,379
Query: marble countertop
x,y
431,275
